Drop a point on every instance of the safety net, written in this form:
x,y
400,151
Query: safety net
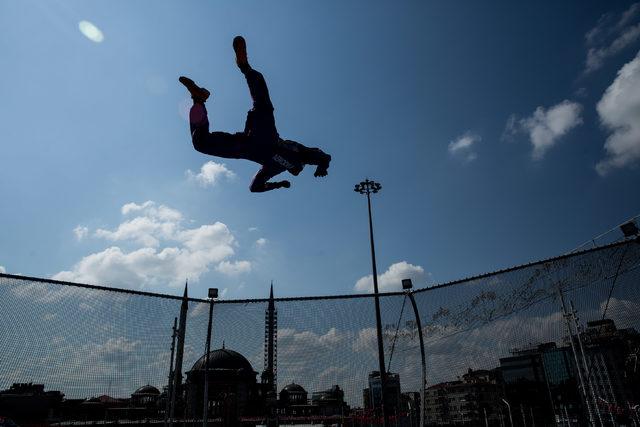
x,y
553,342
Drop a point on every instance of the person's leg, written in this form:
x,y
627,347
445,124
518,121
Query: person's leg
x,y
260,120
261,182
220,144
306,155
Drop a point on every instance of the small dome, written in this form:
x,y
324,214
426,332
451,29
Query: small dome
x,y
147,389
223,359
295,388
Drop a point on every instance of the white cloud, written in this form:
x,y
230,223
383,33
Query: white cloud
x,y
154,224
3,270
294,347
511,129
170,253
234,268
545,127
619,111
611,36
597,56
253,228
261,242
80,232
90,31
391,279
367,340
462,147
210,174
152,210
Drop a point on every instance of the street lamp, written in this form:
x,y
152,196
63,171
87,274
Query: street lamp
x,y
367,187
509,408
613,422
213,293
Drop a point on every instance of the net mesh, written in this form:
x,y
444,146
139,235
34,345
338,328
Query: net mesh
x,y
499,348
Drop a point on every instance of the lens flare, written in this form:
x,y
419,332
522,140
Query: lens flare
x,y
90,31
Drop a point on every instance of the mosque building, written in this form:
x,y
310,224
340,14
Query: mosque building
x,y
233,390
232,386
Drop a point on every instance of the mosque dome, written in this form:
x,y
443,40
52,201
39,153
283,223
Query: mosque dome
x,y
294,388
223,359
293,394
148,390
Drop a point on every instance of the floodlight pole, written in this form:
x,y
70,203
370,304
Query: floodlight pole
x,y
213,293
367,187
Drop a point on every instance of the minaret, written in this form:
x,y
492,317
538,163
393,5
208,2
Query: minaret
x,y
177,379
269,375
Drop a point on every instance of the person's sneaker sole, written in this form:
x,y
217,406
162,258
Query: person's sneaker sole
x,y
240,48
197,93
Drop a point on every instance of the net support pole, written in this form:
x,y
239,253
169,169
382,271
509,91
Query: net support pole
x,y
205,399
422,354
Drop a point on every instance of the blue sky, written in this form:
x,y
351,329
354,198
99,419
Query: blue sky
x,y
501,133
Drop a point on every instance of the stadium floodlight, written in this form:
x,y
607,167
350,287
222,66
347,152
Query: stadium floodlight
x,y
630,229
213,292
367,187
407,284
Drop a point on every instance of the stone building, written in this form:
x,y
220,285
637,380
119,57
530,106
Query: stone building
x,y
233,390
472,400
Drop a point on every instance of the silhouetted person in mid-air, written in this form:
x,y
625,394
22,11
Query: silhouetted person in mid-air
x,y
260,141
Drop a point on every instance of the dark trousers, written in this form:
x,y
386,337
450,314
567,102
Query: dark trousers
x,y
259,142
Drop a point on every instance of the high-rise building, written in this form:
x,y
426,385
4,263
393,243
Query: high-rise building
x,y
375,392
525,381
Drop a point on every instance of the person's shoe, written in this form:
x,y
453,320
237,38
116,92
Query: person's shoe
x,y
321,170
240,48
199,94
284,184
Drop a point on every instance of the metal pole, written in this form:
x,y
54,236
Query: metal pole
x,y
383,374
367,187
509,408
422,354
584,362
613,422
524,420
170,385
486,421
205,410
583,387
533,420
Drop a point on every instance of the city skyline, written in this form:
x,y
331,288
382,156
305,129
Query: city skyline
x,y
441,396
327,341
485,131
